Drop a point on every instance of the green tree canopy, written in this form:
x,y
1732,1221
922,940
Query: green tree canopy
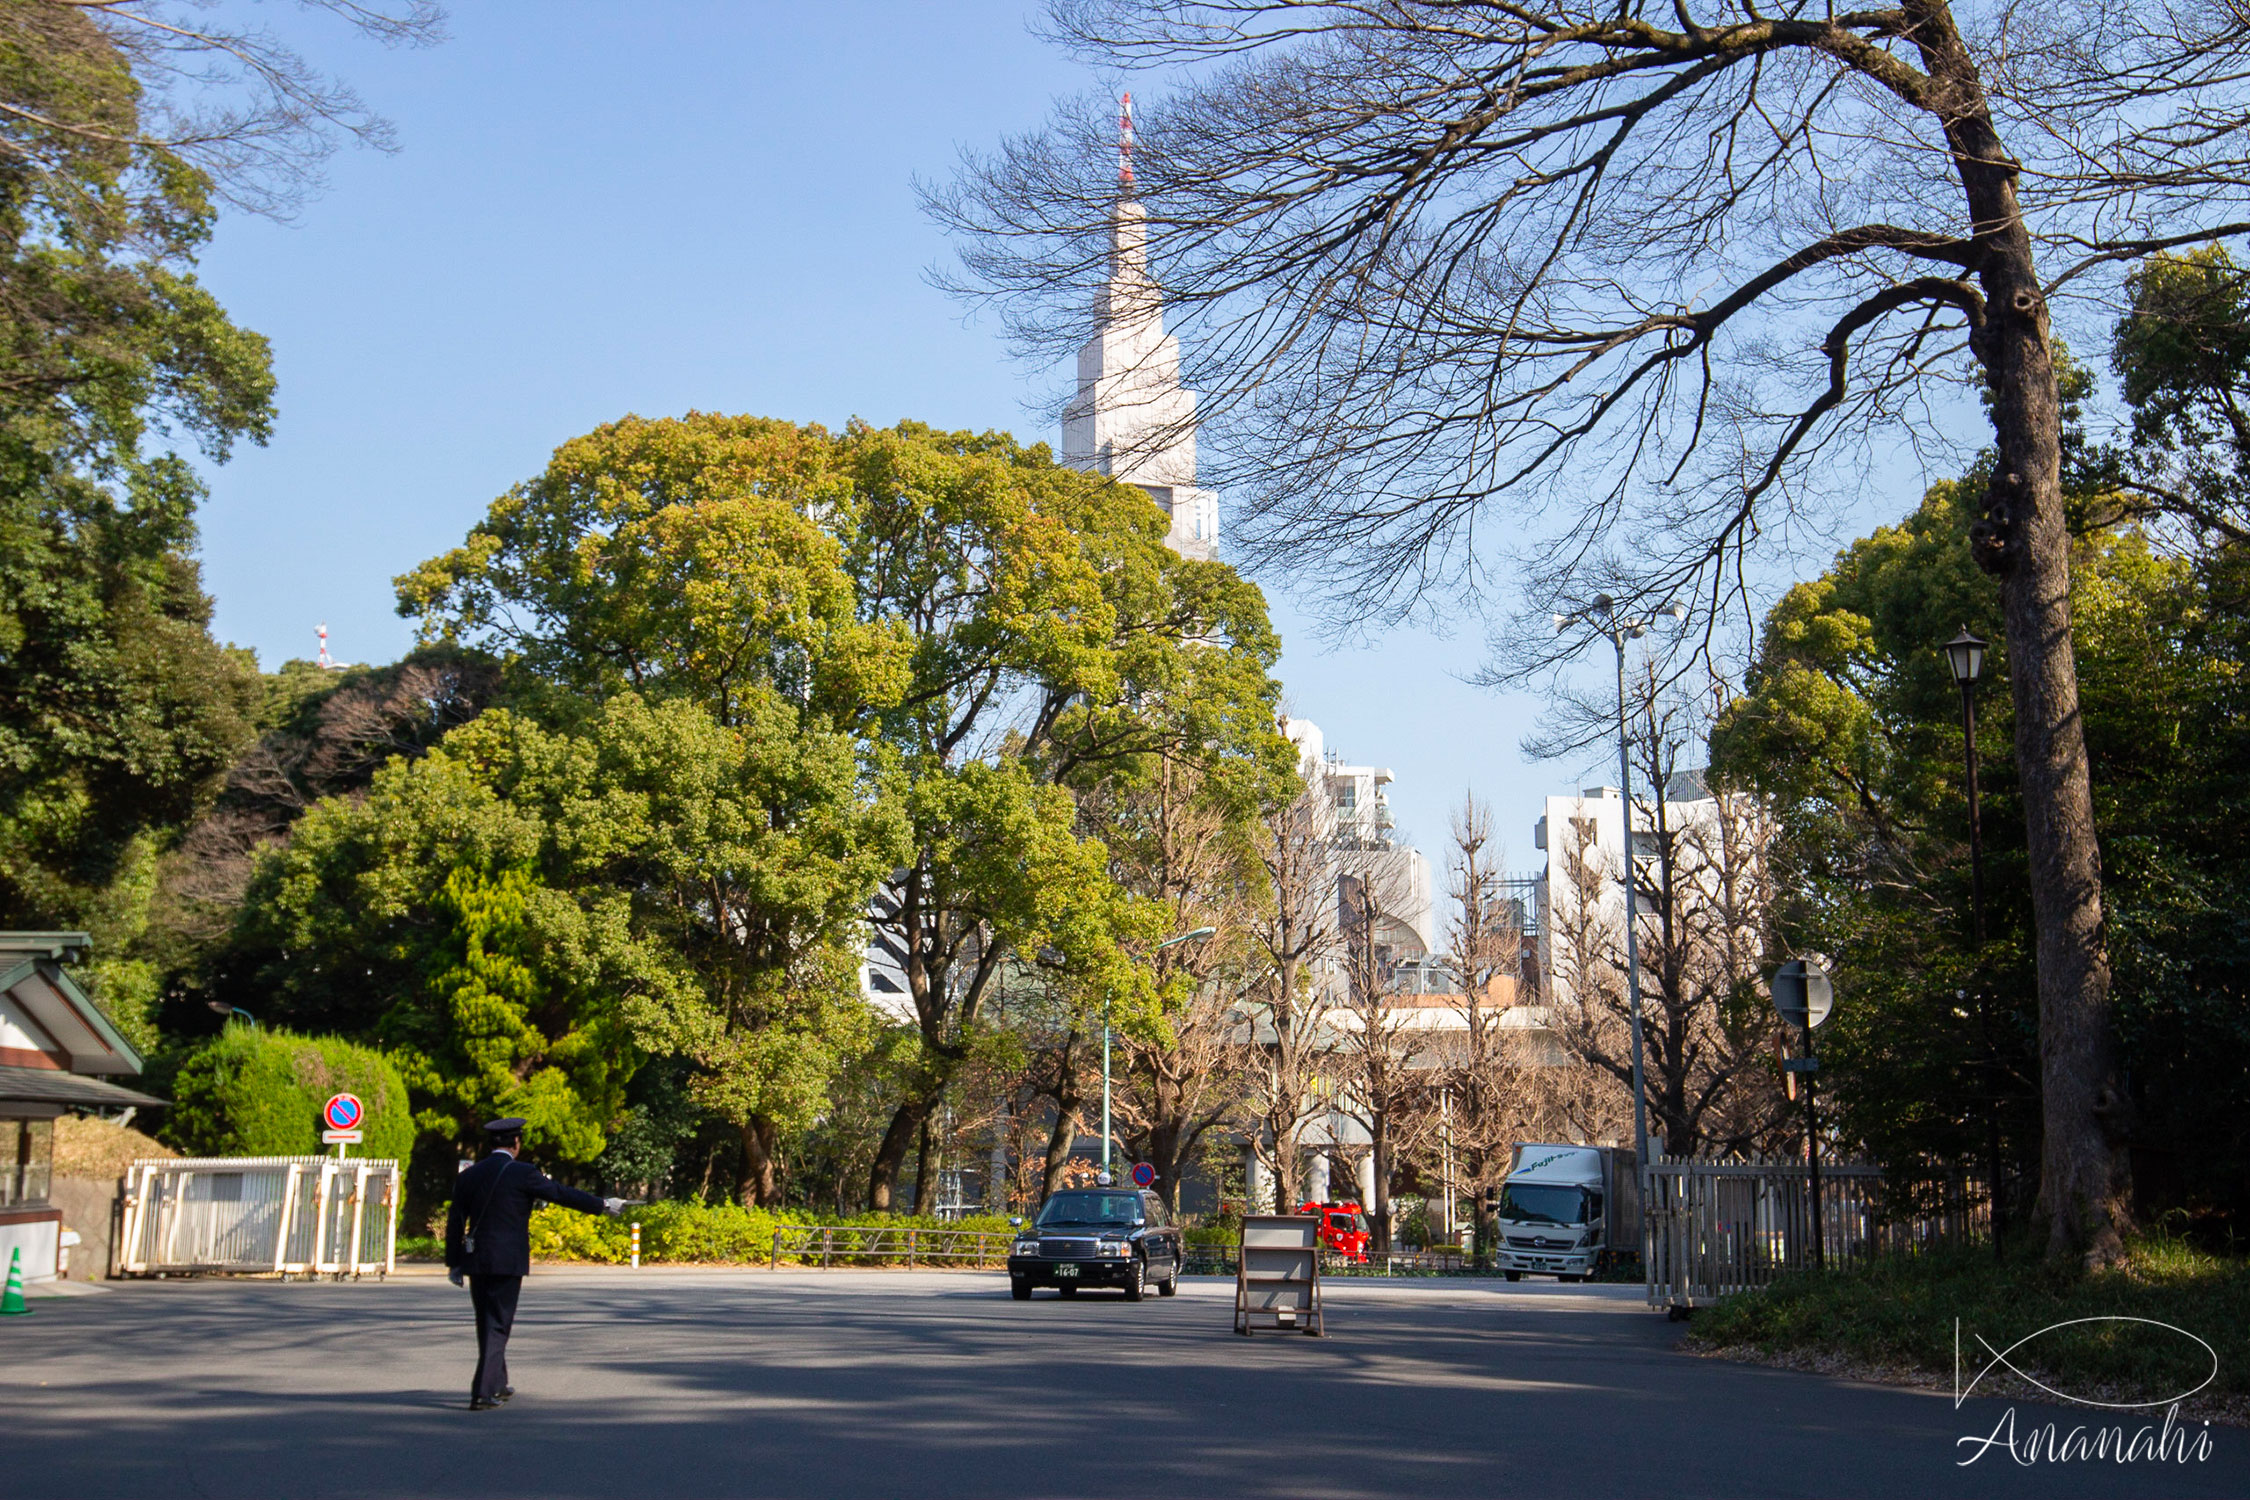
x,y
1850,721
117,711
524,913
994,632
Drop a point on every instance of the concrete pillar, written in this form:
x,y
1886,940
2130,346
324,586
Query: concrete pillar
x,y
1259,1182
1367,1181
1316,1180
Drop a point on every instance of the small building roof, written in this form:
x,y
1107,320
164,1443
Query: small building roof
x,y
39,1000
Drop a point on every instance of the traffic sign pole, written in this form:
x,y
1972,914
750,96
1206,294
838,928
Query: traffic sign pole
x,y
1803,995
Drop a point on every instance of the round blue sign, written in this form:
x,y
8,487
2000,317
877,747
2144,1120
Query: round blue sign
x,y
1144,1174
343,1112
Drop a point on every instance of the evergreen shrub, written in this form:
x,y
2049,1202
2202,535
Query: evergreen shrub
x,y
721,1234
258,1092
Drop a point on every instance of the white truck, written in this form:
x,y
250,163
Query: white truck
x,y
1568,1211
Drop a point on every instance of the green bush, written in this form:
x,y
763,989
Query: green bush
x,y
566,1234
254,1092
1900,1311
728,1234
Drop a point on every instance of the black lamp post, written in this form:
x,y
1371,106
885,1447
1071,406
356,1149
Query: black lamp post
x,y
1964,656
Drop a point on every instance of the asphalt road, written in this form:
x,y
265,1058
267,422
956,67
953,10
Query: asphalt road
x,y
675,1382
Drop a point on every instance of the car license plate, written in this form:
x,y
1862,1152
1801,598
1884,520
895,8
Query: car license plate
x,y
1066,1270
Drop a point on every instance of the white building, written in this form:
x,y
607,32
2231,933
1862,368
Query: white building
x,y
1354,805
1130,418
1583,837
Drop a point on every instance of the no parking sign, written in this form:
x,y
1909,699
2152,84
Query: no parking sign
x,y
1144,1175
343,1112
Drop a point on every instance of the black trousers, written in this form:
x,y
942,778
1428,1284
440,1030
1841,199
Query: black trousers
x,y
494,1298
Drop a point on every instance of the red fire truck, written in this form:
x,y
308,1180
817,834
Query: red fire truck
x,y
1343,1228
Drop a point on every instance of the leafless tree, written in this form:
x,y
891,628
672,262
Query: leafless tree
x,y
1385,1058
217,90
349,727
1637,282
1703,890
1284,1032
1508,1078
1195,857
1177,842
1486,943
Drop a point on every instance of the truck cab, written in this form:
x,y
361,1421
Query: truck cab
x,y
1566,1211
1343,1229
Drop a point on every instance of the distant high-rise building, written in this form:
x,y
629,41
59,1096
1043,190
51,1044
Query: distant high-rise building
x,y
1130,418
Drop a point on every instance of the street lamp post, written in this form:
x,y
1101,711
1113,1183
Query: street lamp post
x,y
1803,994
1964,657
1185,937
1603,616
231,1011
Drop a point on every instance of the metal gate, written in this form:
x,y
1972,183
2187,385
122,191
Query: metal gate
x,y
1713,1228
296,1215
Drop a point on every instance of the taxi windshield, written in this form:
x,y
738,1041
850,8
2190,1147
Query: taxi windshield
x,y
1078,1210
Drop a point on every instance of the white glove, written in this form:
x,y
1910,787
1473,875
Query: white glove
x,y
454,1276
613,1206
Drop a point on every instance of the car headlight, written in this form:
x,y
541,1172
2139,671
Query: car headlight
x,y
1116,1247
1025,1247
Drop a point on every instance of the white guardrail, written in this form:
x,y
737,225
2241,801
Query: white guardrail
x,y
295,1215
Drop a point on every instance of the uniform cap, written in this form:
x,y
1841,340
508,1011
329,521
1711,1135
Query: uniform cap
x,y
509,1126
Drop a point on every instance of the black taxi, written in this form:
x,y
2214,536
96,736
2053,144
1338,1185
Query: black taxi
x,y
1101,1236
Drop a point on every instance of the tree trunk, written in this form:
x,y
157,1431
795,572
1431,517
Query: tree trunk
x,y
2084,1178
890,1155
1166,1149
1059,1141
761,1174
1380,1209
922,1169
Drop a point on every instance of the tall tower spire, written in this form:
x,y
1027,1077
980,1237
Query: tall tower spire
x,y
1125,146
1130,418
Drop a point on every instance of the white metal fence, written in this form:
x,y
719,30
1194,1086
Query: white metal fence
x,y
296,1215
1719,1227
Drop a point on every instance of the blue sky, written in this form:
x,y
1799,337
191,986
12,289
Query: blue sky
x,y
600,209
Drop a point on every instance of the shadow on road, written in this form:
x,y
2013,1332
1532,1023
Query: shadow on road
x,y
852,1384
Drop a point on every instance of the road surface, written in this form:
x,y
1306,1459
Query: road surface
x,y
677,1382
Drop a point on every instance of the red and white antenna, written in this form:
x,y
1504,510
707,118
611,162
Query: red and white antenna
x,y
327,663
1125,143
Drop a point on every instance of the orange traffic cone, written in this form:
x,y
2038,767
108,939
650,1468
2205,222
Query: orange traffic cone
x,y
12,1304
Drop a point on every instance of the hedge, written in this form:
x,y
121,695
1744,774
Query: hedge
x,y
712,1234
258,1092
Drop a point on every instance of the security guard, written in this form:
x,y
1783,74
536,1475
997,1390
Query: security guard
x,y
488,1239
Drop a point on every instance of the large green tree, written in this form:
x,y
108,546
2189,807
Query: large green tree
x,y
1058,646
1851,722
694,564
995,634
118,713
524,913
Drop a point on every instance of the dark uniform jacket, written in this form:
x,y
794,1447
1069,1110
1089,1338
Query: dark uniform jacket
x,y
492,1204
